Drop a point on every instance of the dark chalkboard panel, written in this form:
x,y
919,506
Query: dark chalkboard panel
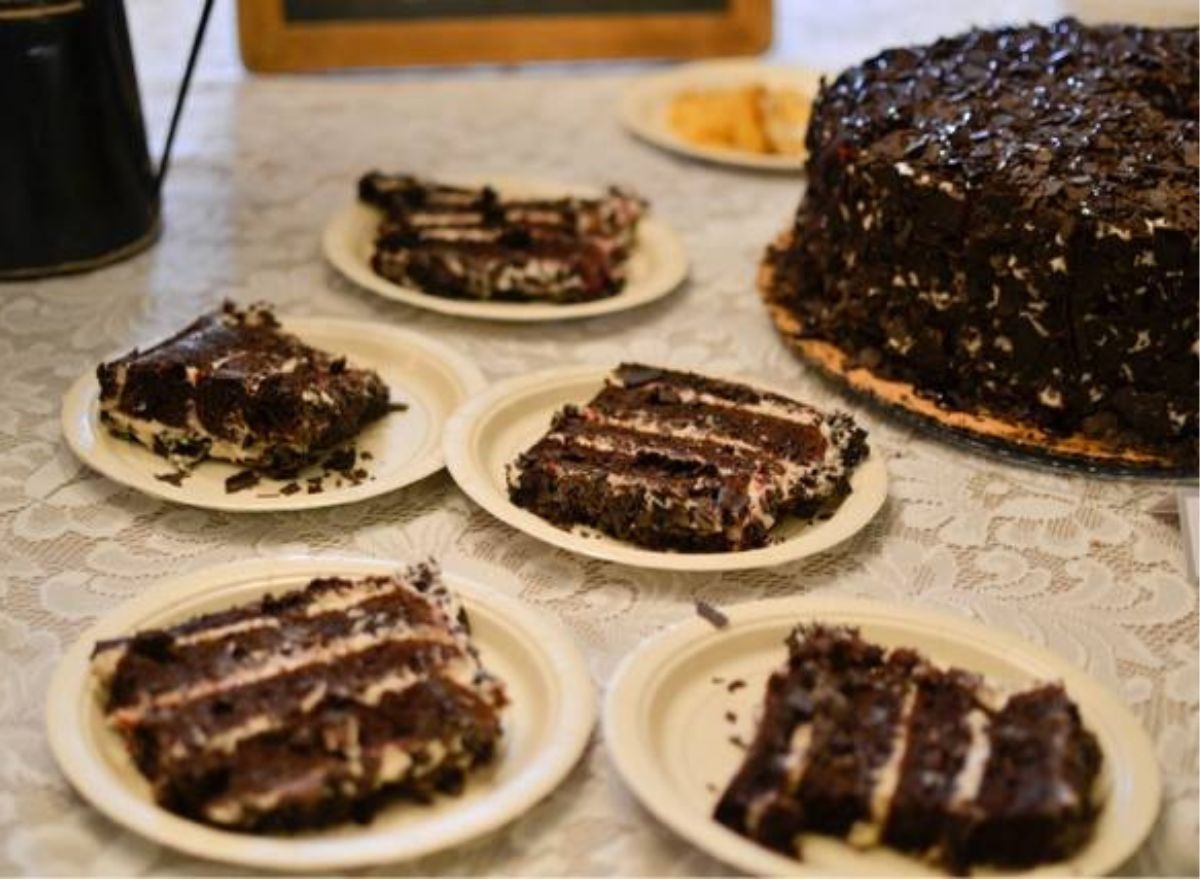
x,y
278,35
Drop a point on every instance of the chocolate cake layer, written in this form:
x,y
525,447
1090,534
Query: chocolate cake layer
x,y
307,708
1007,220
882,747
463,243
933,772
234,386
674,460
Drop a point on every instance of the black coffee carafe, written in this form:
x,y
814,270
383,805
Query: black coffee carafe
x,y
77,188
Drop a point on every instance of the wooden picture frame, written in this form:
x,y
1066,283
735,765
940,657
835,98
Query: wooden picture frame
x,y
299,35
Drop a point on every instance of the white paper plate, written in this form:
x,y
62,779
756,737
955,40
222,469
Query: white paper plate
x,y
431,378
657,266
545,728
494,427
645,105
665,725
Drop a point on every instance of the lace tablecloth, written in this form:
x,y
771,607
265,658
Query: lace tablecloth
x,y
1092,569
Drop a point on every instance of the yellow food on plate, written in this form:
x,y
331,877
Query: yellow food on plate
x,y
754,118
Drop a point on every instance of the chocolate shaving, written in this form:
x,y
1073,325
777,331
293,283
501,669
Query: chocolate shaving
x,y
735,685
241,481
176,478
711,614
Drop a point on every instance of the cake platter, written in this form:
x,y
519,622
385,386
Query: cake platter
x,y
1025,443
546,726
426,376
657,266
489,431
667,722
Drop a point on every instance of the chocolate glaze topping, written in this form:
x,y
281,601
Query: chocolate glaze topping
x,y
1008,220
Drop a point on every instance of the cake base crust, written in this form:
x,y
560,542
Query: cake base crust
x,y
980,429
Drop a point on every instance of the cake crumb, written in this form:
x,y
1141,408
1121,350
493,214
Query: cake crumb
x,y
735,685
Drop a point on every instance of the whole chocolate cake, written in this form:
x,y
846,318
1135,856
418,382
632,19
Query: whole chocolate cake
x,y
881,747
1007,220
307,708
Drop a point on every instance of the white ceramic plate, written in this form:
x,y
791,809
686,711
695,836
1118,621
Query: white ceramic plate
x,y
665,725
431,378
657,266
494,427
645,105
546,727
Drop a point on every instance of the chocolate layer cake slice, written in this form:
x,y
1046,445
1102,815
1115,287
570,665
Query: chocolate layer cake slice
x,y
234,386
881,747
675,460
306,708
465,243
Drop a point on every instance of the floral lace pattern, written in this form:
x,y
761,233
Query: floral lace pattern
x,y
1092,569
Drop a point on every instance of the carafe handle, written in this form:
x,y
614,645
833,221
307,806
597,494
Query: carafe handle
x,y
197,39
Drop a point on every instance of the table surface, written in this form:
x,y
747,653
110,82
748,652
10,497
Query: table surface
x,y
1092,569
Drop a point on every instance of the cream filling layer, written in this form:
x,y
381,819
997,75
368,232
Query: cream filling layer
x,y
145,431
361,591
202,636
970,775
